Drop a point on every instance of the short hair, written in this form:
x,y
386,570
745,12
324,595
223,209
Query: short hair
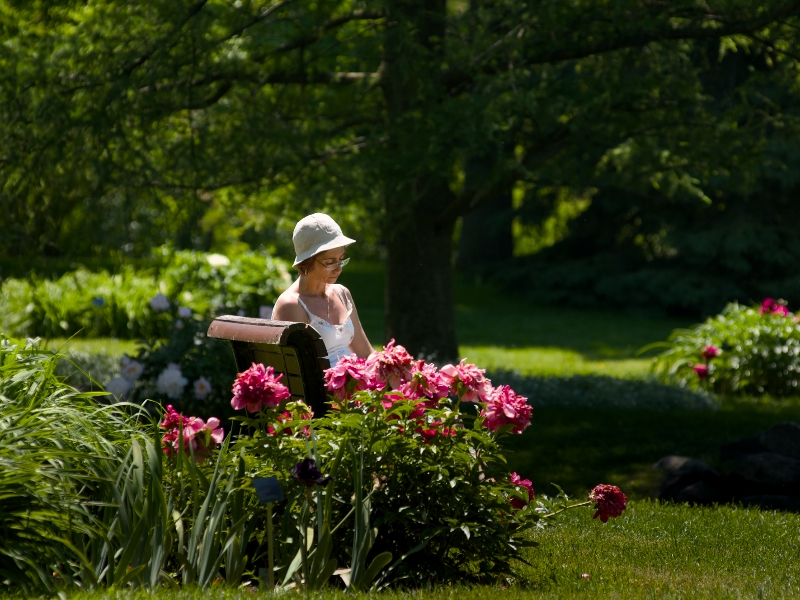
x,y
305,266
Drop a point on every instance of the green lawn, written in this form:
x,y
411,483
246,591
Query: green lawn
x,y
652,551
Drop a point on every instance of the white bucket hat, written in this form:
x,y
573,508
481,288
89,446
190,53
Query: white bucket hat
x,y
316,233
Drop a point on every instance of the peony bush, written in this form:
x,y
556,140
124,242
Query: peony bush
x,y
750,350
427,441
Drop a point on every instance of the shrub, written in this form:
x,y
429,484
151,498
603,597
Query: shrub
x,y
744,350
120,305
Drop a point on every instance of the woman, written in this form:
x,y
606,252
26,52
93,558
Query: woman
x,y
315,298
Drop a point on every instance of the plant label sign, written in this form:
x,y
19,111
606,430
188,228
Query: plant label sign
x,y
268,489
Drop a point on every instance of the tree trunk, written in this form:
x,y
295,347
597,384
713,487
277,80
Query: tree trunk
x,y
419,296
419,302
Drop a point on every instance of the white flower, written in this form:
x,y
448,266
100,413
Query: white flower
x,y
218,260
265,312
202,388
118,387
171,381
131,369
184,312
178,324
159,302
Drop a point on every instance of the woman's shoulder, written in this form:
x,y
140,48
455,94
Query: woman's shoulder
x,y
287,298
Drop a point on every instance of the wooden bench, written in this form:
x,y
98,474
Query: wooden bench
x,y
294,349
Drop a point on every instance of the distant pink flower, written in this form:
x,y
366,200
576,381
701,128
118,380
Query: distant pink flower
x,y
772,307
350,375
257,387
505,407
767,305
701,370
466,380
523,483
710,352
392,365
609,501
425,381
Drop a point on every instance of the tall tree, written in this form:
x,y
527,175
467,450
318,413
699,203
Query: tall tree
x,y
156,109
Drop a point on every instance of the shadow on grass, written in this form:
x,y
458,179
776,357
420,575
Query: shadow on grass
x,y
578,447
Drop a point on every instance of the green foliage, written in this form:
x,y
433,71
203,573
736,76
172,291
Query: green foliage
x,y
760,353
97,304
59,452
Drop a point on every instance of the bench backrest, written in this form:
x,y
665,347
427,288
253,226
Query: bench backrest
x,y
294,349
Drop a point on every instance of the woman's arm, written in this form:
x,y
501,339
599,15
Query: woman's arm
x,y
360,344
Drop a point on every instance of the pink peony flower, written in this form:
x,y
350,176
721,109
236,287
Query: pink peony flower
x,y
609,501
467,381
425,381
392,365
710,352
198,435
257,387
350,375
701,370
523,483
505,407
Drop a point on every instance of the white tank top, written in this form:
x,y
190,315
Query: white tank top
x,y
337,338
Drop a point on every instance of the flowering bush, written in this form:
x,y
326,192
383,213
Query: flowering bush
x,y
184,368
743,350
429,440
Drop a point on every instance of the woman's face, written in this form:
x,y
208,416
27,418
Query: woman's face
x,y
328,257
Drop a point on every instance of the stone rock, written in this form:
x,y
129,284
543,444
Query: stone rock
x,y
773,502
768,469
743,447
681,472
783,438
700,493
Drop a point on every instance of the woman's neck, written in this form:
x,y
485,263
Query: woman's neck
x,y
309,287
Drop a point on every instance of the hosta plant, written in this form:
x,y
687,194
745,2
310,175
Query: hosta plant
x,y
744,350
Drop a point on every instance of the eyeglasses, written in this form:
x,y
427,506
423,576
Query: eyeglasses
x,y
333,263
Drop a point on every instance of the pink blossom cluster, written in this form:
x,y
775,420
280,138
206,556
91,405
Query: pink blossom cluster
x,y
527,484
395,372
199,436
258,388
609,501
773,307
505,407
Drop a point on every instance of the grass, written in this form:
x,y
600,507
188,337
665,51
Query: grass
x,y
654,551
